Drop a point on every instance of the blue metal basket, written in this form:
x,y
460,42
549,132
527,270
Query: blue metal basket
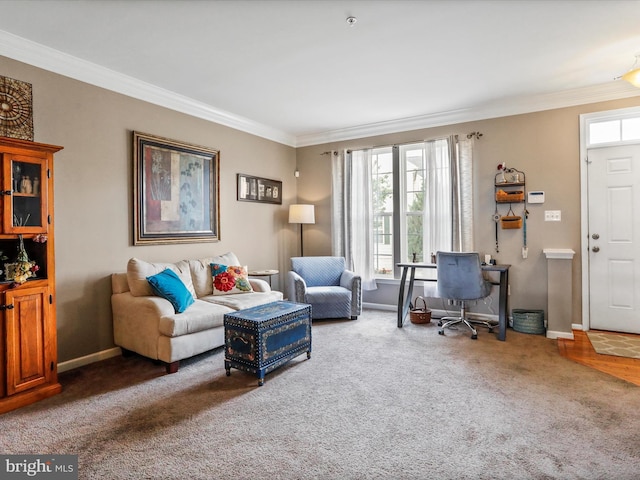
x,y
528,321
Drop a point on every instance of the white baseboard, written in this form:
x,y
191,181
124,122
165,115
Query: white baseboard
x,y
380,306
86,360
554,335
576,326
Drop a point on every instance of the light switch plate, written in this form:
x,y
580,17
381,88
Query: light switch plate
x,y
552,215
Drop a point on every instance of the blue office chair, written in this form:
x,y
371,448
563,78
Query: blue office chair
x,y
460,278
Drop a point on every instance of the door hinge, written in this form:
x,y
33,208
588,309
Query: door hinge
x,y
48,173
49,219
51,366
50,299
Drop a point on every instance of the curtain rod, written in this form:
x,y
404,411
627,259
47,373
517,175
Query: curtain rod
x,y
474,134
470,135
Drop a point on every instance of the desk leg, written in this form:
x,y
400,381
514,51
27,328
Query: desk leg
x,y
405,303
401,313
502,302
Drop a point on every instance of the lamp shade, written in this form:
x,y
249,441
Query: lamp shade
x,y
633,77
302,214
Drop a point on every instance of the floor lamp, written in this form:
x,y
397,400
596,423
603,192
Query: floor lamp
x,y
301,214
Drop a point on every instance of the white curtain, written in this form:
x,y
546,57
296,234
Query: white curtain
x,y
338,217
352,214
463,183
438,198
449,195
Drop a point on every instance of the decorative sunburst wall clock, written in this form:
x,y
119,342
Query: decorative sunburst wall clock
x,y
16,109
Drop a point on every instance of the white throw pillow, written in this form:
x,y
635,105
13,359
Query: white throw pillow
x,y
138,271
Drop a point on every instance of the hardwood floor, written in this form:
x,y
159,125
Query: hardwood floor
x,y
580,350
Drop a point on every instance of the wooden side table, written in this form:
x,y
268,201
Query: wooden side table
x,y
264,273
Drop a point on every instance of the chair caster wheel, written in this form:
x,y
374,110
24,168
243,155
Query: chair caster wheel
x,y
474,337
441,332
439,323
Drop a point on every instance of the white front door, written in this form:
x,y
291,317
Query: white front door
x,y
614,238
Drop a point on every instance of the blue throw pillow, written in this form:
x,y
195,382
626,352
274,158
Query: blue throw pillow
x,y
167,284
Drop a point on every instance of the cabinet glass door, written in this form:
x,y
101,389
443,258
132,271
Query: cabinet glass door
x,y
28,185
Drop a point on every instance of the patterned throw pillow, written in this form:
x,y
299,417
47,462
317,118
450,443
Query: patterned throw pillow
x,y
230,279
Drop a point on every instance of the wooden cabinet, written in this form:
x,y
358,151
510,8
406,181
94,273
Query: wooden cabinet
x,y
24,194
28,336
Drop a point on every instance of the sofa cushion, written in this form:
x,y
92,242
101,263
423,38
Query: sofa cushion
x,y
200,316
138,271
240,301
230,279
329,302
167,284
201,272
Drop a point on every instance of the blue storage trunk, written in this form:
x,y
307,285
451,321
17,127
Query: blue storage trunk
x,y
260,339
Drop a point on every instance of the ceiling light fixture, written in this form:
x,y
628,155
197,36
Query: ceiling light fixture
x,y
633,75
351,21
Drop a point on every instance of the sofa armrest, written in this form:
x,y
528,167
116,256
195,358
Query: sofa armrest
x,y
259,285
353,282
295,288
136,322
119,283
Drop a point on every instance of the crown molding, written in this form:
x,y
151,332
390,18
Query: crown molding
x,y
501,108
41,56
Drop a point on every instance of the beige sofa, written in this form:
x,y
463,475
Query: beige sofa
x,y
148,324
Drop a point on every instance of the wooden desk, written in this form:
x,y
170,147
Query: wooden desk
x,y
404,303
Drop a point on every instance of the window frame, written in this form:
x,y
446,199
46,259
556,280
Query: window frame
x,y
401,212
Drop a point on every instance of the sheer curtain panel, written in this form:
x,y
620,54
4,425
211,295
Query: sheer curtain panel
x,y
352,214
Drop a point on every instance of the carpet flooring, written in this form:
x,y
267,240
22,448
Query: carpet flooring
x,y
373,402
615,344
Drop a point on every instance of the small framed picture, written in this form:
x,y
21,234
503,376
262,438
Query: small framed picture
x,y
257,189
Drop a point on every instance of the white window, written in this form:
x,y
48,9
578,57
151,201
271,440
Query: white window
x,y
411,220
382,173
401,203
613,131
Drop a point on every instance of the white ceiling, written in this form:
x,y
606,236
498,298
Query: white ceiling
x,y
296,72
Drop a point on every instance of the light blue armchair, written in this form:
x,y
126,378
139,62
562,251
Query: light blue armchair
x,y
325,284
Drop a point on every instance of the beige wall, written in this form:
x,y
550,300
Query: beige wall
x,y
544,145
93,196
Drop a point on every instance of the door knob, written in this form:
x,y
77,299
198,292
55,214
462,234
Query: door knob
x,y
595,236
595,249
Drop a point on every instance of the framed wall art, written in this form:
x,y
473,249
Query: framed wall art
x,y
176,191
16,109
257,189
